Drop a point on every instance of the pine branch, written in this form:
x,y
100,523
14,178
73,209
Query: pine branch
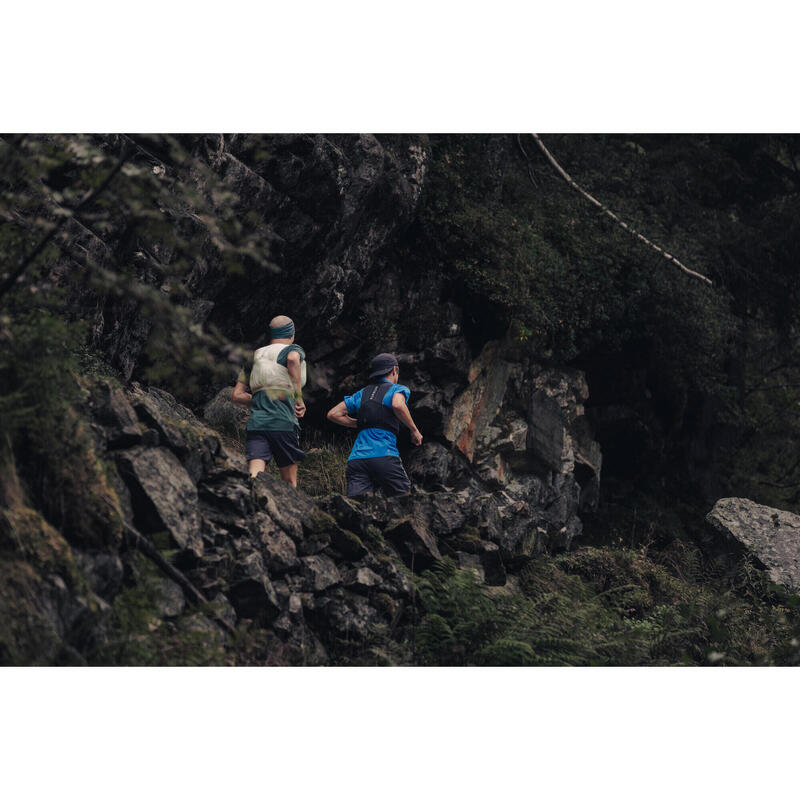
x,y
613,216
9,282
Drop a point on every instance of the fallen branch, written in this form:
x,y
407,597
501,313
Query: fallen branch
x,y
192,593
613,216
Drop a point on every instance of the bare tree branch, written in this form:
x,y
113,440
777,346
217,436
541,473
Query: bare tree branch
x,y
613,216
191,592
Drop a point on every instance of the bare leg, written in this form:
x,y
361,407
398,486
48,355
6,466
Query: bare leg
x,y
289,474
256,465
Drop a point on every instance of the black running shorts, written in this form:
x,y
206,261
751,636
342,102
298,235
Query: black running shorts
x,y
284,445
370,474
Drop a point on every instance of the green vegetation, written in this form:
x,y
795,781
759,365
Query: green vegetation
x,y
322,471
606,606
138,636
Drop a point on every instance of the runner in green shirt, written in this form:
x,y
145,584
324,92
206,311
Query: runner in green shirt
x,y
272,387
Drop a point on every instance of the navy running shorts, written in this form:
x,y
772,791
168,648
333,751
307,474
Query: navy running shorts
x,y
283,445
370,474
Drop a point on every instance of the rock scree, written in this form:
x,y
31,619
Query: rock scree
x,y
318,576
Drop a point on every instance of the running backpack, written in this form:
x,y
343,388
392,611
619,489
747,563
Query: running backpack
x,y
372,413
268,375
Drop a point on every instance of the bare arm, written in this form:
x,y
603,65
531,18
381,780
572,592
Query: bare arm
x,y
240,394
402,413
293,365
339,415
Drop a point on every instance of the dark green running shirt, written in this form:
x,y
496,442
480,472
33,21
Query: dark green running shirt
x,y
267,414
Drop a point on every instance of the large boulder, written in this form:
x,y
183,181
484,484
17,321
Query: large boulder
x,y
163,496
769,534
197,447
223,414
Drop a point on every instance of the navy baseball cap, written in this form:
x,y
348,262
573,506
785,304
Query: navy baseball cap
x,y
382,364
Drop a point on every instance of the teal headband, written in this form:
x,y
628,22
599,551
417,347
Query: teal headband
x,y
282,331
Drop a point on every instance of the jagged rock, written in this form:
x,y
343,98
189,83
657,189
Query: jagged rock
x,y
395,580
278,549
196,445
212,573
430,465
114,413
350,617
284,626
361,580
348,513
164,497
228,494
547,439
251,591
225,415
770,534
474,410
290,508
313,544
229,462
347,543
295,605
417,546
213,535
320,573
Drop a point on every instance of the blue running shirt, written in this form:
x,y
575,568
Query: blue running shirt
x,y
374,442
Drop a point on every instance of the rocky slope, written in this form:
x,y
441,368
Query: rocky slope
x,y
319,578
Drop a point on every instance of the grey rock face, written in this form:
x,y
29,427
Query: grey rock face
x,y
111,409
320,573
251,591
197,447
224,414
164,497
771,535
278,549
361,580
417,545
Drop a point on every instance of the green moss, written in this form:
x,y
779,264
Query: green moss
x,y
319,521
24,531
27,636
348,544
137,636
373,538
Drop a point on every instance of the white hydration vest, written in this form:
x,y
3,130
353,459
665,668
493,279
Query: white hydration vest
x,y
269,375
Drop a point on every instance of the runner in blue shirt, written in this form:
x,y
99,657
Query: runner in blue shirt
x,y
377,411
